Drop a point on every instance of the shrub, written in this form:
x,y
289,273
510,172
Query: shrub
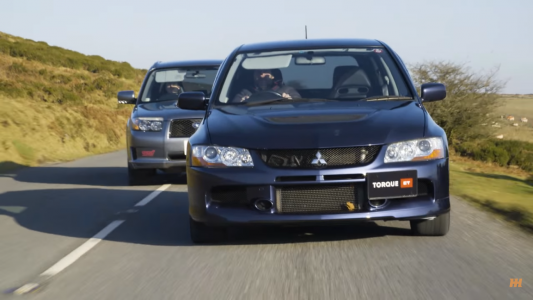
x,y
503,153
18,68
470,97
59,57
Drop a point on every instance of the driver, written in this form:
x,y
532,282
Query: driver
x,y
264,80
173,89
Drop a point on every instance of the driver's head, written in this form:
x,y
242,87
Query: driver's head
x,y
264,78
172,87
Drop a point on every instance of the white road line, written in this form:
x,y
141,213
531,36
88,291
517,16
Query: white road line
x,y
84,248
71,257
154,194
26,288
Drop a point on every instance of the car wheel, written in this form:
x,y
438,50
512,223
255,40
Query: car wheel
x,y
436,227
201,233
139,176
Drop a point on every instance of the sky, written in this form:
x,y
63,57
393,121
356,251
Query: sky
x,y
483,34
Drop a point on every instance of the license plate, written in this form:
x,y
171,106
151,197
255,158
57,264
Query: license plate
x,y
397,184
185,146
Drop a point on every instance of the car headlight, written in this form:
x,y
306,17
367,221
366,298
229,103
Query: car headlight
x,y
147,124
216,157
415,150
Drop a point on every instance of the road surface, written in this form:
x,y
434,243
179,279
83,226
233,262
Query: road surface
x,y
49,214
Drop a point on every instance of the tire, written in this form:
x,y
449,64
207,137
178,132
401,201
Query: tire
x,y
139,176
436,227
201,233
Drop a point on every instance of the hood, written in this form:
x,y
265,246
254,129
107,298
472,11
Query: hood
x,y
315,125
165,109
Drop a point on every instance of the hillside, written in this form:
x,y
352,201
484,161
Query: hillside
x,y
58,104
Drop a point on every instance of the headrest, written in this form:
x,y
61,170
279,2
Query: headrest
x,y
342,70
278,76
354,76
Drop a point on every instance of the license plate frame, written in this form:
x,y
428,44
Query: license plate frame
x,y
392,185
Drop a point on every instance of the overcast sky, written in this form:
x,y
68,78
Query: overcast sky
x,y
482,33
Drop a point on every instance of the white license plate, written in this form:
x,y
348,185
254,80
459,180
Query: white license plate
x,y
185,146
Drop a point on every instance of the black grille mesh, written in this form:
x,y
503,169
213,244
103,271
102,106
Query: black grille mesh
x,y
316,199
334,157
183,127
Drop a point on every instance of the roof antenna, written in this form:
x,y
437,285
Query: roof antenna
x,y
306,32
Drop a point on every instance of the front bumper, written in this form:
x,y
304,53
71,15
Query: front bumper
x,y
226,196
156,150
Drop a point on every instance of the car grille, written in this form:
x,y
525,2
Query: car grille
x,y
317,199
182,127
334,157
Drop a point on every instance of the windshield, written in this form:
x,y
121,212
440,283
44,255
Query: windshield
x,y
167,84
347,74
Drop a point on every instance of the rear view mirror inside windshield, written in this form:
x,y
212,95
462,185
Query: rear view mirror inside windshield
x,y
169,76
310,60
195,75
268,62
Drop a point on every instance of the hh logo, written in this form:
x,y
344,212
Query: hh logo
x,y
515,282
148,153
406,183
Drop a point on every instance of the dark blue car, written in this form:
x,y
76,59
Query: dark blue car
x,y
316,132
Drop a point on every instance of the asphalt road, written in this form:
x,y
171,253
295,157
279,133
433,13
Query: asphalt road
x,y
48,212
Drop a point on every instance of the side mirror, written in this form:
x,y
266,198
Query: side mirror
x,y
432,92
126,97
192,101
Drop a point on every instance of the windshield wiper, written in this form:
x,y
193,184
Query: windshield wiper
x,y
279,100
380,98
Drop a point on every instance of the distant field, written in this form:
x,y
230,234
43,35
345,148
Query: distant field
x,y
518,106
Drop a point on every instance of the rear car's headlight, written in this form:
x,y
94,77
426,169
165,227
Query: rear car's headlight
x,y
415,150
217,157
147,124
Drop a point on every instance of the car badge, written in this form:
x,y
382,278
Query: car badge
x,y
195,125
319,161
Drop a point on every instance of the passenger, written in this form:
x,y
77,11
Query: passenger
x,y
266,81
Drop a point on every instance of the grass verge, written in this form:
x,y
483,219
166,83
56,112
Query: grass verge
x,y
36,133
505,192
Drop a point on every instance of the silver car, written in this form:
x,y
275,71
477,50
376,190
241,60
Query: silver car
x,y
158,131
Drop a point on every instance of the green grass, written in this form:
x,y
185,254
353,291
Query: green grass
x,y
59,105
506,192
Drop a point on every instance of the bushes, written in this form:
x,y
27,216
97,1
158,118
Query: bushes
x,y
18,68
470,98
503,153
39,82
59,57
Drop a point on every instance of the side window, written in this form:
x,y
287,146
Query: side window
x,y
396,79
315,76
148,88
